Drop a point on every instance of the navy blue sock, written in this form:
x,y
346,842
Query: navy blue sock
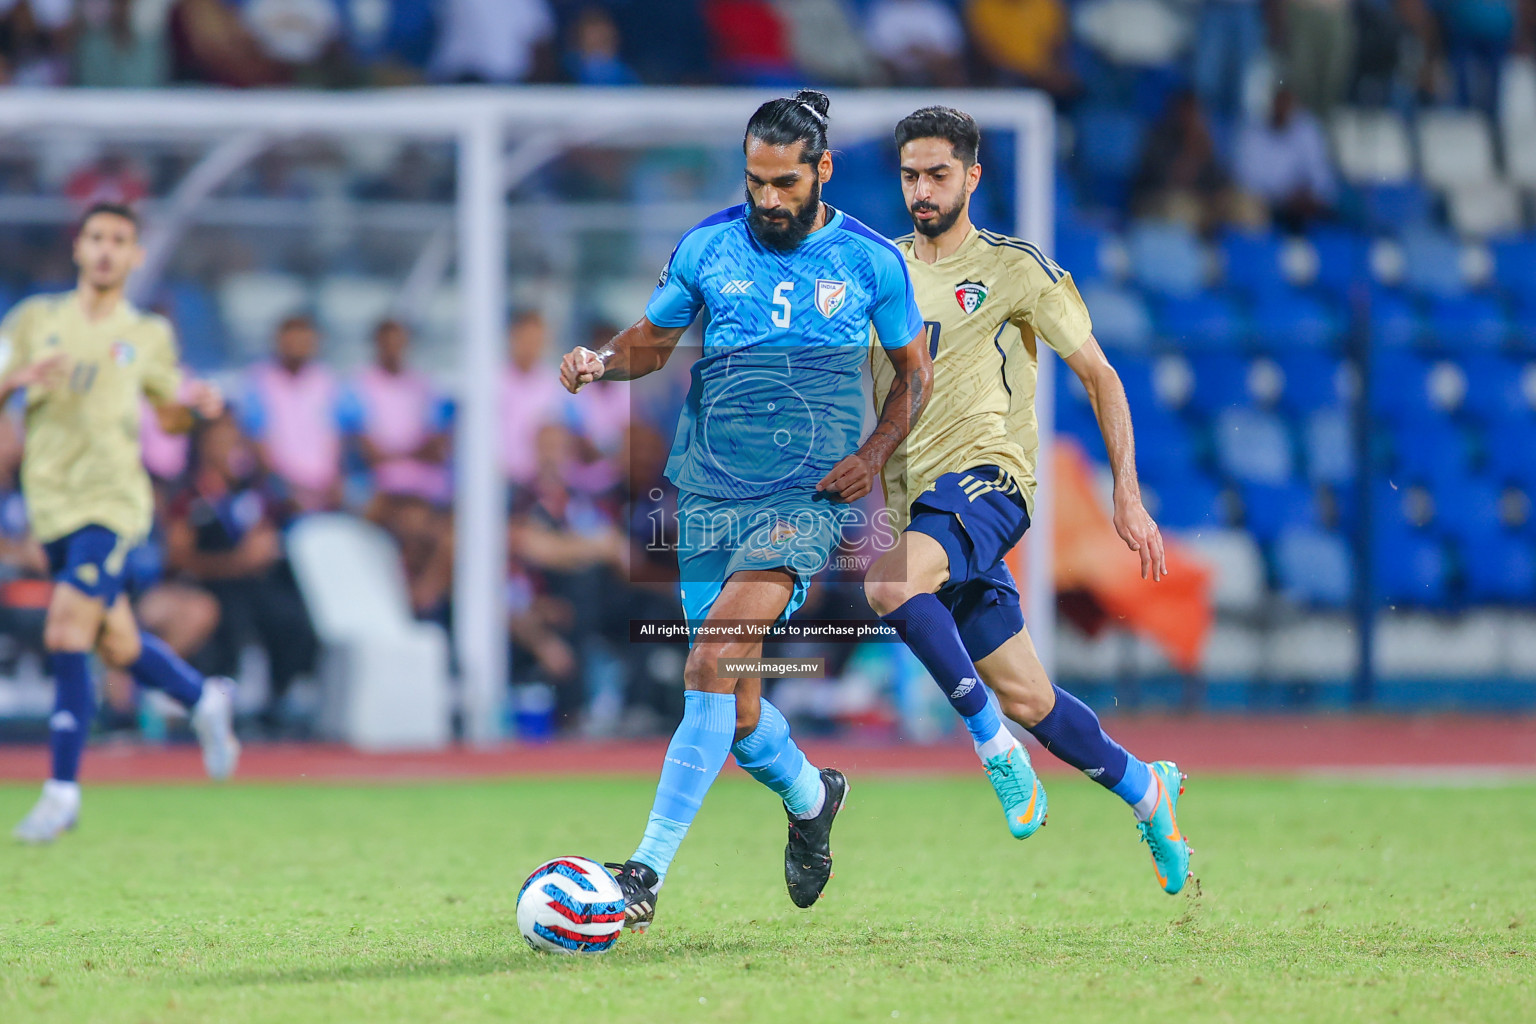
x,y
74,705
1072,732
929,630
161,668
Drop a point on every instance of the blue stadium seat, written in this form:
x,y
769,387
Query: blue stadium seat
x,y
1269,509
1467,509
1329,441
1499,568
1409,568
1469,321
1252,262
1253,447
1136,376
196,316
1164,448
1311,380
1206,320
1120,317
1343,258
1166,259
1220,381
1314,566
1399,386
1432,264
1079,251
1290,318
1108,148
867,172
1390,208
1514,265
1494,391
1511,449
1394,320
1187,503
1428,451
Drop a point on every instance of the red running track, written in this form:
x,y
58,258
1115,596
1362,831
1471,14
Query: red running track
x,y
1276,746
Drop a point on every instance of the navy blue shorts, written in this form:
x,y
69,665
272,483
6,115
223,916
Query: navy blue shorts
x,y
92,560
978,516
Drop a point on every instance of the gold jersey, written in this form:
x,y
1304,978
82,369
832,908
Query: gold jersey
x,y
984,306
82,464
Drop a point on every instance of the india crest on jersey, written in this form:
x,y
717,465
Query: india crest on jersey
x,y
830,296
970,295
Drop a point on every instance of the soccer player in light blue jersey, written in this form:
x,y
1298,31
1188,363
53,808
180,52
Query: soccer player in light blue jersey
x,y
767,454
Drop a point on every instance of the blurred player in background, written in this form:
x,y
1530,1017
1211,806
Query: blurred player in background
x,y
766,453
84,359
963,489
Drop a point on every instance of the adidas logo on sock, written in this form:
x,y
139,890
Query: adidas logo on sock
x,y
966,686
1093,773
63,721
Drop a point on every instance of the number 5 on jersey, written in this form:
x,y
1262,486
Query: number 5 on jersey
x,y
780,314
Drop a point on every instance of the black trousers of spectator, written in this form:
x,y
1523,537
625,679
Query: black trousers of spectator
x,y
268,611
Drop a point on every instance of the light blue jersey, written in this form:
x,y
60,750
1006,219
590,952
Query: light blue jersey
x,y
777,399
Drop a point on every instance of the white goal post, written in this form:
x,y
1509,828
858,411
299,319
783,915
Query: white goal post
x,y
502,137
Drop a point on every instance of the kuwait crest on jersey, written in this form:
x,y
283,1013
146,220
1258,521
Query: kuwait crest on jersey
x,y
830,296
970,295
122,352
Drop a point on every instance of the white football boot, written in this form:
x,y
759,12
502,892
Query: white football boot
x,y
55,813
213,719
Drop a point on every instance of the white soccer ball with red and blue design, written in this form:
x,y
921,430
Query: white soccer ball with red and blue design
x,y
570,905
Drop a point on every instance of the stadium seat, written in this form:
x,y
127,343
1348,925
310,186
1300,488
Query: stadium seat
x,y
1314,648
1206,320
1455,148
1342,258
1468,322
254,302
1494,391
1291,319
1311,380
1432,264
1167,259
1520,156
349,308
198,329
1329,441
1514,264
1268,509
1220,381
1394,320
1429,451
1120,317
1136,376
1251,262
1511,448
1499,568
1467,509
1239,586
1108,147
1080,250
1314,567
1408,568
1188,503
1372,146
1252,446
1399,386
385,674
1164,448
1484,211
1389,208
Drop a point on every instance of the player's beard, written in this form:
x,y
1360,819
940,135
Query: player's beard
x,y
938,225
782,230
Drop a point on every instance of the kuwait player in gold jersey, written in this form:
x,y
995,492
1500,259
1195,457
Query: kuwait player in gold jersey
x,y
84,359
963,489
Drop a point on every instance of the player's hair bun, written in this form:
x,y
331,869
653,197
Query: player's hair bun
x,y
819,102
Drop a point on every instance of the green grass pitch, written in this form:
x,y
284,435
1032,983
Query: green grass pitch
x,y
1319,901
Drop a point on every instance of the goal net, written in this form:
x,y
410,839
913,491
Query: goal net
x,y
449,209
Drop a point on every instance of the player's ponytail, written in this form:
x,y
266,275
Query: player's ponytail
x,y
803,117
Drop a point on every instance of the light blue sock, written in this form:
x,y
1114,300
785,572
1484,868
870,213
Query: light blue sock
x,y
770,756
694,757
985,724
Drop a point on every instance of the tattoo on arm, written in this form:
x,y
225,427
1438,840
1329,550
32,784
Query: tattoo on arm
x,y
637,350
904,404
